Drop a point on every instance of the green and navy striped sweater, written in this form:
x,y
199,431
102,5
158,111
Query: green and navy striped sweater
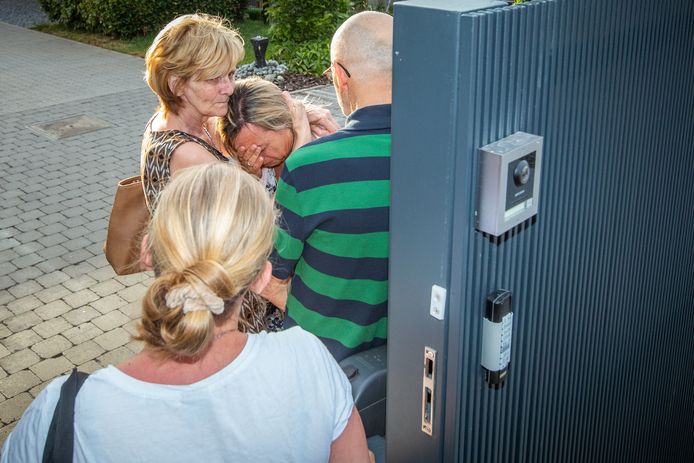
x,y
334,199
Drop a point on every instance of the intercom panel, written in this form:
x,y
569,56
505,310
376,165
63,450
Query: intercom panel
x,y
509,182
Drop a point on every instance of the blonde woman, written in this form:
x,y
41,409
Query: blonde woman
x,y
190,67
201,390
264,125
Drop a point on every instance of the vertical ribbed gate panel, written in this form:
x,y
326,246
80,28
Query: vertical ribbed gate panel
x,y
602,362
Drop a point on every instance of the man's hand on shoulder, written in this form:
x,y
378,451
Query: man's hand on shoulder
x,y
321,120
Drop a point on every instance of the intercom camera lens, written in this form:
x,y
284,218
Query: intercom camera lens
x,y
522,173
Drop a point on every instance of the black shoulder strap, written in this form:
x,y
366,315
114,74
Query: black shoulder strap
x,y
61,433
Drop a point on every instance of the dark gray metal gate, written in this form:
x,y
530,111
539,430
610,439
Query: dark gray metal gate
x,y
602,362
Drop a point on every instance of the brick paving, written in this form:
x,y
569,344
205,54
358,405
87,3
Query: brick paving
x,y
25,13
61,305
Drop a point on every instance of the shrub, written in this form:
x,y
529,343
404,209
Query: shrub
x,y
255,13
302,30
384,6
233,10
306,58
306,20
127,18
64,12
122,18
51,8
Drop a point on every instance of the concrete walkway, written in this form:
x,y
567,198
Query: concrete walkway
x,y
61,305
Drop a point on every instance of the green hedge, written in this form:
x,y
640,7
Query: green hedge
x,y
128,18
307,57
306,20
64,12
302,30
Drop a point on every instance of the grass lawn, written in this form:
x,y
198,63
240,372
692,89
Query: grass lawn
x,y
138,45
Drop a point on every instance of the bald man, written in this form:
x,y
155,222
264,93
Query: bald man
x,y
334,197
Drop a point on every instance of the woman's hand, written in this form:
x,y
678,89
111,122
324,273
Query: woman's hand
x,y
320,120
250,159
302,130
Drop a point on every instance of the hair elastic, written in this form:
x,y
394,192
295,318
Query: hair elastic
x,y
193,299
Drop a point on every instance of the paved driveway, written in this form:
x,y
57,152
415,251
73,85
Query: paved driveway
x,y
61,305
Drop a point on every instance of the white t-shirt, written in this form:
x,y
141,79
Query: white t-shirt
x,y
283,399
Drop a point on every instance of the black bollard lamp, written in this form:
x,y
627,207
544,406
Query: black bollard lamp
x,y
259,48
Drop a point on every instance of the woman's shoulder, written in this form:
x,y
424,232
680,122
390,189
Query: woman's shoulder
x,y
48,397
294,345
27,440
158,146
293,335
161,139
158,141
158,150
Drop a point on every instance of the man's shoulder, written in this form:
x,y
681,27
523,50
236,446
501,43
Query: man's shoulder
x,y
340,145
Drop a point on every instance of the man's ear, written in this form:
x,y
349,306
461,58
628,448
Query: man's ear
x,y
261,282
339,77
146,260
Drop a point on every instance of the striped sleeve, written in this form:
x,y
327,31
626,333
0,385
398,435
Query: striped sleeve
x,y
289,235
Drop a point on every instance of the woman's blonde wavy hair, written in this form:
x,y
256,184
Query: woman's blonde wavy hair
x,y
192,45
213,230
254,101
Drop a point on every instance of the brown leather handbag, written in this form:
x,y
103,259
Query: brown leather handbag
x,y
126,227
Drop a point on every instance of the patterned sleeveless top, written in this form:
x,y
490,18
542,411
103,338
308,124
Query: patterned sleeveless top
x,y
157,148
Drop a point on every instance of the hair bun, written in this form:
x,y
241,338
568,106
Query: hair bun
x,y
208,277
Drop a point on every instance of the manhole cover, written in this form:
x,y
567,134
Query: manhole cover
x,y
69,127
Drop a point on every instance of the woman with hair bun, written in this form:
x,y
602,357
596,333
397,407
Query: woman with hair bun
x,y
201,389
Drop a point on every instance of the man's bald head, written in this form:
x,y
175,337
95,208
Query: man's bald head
x,y
364,45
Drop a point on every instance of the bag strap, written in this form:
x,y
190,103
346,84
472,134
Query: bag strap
x,y
61,433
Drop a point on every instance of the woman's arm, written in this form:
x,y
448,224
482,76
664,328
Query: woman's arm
x,y
302,129
351,445
277,292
